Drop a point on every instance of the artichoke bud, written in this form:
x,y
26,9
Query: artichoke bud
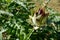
x,y
42,16
39,16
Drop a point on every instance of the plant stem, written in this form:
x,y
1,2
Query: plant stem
x,y
29,34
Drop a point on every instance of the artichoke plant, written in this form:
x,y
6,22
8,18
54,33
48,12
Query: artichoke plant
x,y
28,20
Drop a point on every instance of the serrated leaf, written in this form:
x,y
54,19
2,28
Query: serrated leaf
x,y
7,13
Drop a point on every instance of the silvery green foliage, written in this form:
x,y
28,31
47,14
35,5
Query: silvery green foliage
x,y
13,16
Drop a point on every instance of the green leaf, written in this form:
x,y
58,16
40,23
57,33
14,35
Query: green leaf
x,y
0,36
56,19
7,13
29,34
8,1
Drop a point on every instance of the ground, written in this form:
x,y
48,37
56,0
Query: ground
x,y
55,4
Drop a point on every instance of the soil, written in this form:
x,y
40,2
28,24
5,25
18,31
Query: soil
x,y
55,4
